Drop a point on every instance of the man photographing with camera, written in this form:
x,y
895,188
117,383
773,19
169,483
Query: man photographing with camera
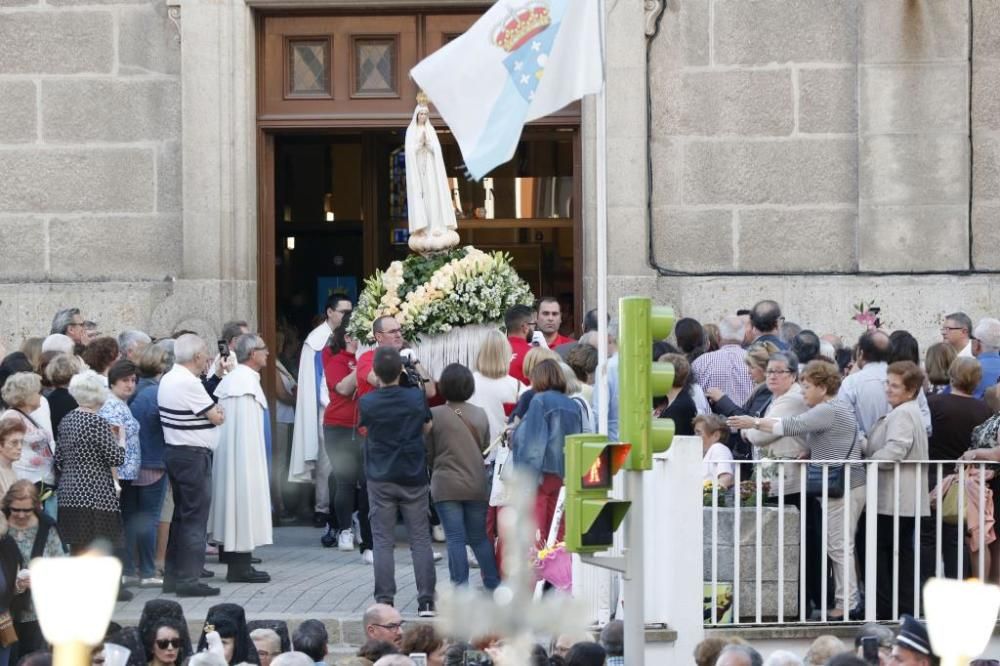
x,y
388,333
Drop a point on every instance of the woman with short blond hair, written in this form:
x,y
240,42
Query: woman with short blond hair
x,y
496,392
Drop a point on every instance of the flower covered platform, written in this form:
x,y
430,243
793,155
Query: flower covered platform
x,y
445,303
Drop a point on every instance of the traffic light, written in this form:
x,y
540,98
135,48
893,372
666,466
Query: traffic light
x,y
591,515
639,379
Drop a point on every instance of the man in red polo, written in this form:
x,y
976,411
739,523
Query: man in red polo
x,y
549,320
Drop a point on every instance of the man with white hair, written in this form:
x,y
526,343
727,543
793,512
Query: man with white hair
x,y
190,419
131,343
60,343
986,345
783,658
726,369
240,517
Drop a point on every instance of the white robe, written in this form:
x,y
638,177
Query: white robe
x,y
312,396
240,516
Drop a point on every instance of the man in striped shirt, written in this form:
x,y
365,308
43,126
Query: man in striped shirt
x,y
190,419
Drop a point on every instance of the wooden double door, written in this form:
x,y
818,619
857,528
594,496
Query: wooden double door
x,y
334,99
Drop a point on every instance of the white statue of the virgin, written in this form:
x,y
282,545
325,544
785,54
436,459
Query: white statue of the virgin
x,y
428,199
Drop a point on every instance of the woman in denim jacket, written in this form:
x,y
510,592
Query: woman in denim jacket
x,y
538,440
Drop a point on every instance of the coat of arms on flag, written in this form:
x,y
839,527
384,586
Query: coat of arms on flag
x,y
527,35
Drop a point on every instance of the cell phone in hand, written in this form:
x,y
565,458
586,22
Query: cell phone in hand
x,y
869,649
223,349
419,658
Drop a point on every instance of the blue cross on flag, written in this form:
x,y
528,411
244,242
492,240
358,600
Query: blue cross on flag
x,y
527,64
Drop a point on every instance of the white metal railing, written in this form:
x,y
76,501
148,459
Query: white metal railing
x,y
762,499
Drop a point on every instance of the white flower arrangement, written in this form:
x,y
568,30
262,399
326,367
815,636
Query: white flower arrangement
x,y
431,295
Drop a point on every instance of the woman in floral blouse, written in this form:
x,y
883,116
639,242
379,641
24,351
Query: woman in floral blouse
x,y
36,536
121,381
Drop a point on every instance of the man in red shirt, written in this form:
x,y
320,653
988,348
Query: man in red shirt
x,y
520,323
549,321
388,333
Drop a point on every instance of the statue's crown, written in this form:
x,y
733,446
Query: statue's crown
x,y
522,25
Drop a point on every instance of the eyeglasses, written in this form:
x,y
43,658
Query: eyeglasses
x,y
945,329
260,348
777,372
344,311
14,510
164,643
395,626
392,331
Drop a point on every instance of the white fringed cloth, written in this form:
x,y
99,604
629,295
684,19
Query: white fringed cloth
x,y
459,345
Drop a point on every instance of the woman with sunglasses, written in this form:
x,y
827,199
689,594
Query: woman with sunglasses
x,y
35,534
164,644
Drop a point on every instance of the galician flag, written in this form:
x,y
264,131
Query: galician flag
x,y
523,60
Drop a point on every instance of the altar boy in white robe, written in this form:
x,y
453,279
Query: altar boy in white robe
x,y
311,398
240,517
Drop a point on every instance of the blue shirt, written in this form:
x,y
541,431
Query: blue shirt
x,y
991,372
539,439
394,449
146,411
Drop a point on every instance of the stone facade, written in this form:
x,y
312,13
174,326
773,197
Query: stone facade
x,y
824,143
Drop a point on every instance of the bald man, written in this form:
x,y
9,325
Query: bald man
x,y
382,622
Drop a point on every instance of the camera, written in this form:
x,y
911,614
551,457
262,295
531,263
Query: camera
x,y
411,376
223,348
476,658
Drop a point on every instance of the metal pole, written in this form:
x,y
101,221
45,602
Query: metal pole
x,y
601,234
635,602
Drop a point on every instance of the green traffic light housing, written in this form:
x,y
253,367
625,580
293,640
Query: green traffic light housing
x,y
640,379
591,516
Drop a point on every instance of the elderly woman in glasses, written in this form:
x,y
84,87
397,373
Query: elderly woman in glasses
x,y
829,430
36,536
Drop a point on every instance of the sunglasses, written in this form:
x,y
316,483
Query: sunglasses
x,y
13,510
164,643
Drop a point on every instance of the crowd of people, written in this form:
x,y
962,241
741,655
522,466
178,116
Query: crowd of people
x,y
163,449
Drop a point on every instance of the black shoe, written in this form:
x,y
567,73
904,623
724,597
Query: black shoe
x,y
329,540
320,519
205,573
125,595
196,590
250,575
426,609
255,560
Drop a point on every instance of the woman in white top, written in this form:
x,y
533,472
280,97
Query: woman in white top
x,y
23,393
718,459
495,389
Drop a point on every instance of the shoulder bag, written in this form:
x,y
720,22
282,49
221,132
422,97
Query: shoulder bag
x,y
834,477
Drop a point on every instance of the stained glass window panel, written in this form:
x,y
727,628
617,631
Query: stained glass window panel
x,y
309,67
375,61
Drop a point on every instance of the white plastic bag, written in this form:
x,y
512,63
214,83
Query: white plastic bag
x,y
498,492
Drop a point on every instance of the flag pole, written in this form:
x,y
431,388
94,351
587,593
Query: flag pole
x,y
635,636
601,234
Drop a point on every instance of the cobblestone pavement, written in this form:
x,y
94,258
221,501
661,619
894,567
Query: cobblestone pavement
x,y
307,581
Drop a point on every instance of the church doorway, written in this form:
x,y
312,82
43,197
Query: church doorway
x,y
333,106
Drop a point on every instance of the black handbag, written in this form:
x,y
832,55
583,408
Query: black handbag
x,y
834,477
